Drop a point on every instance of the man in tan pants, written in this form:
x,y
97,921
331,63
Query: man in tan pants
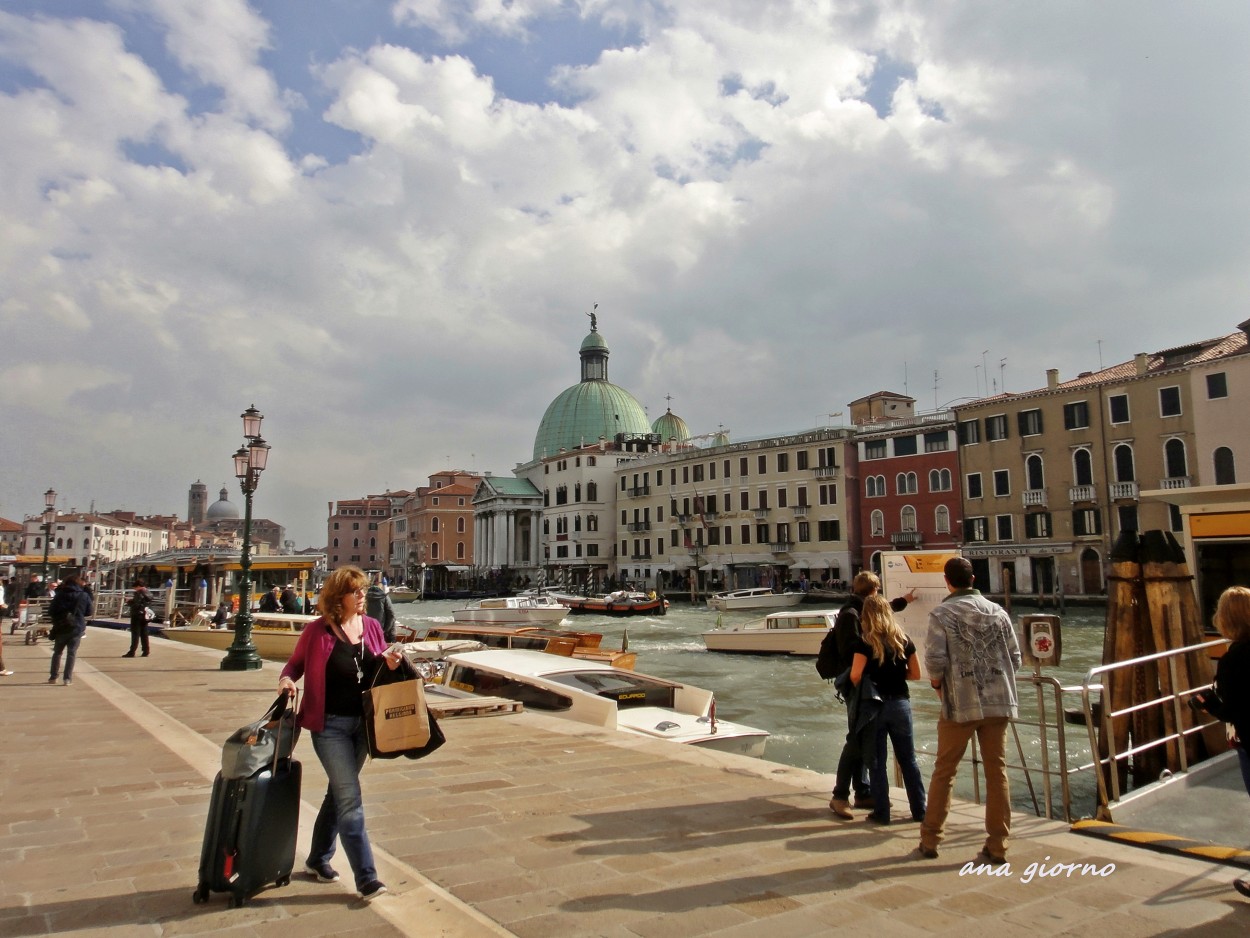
x,y
972,655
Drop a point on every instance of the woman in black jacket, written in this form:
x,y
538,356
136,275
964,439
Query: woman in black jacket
x,y
1229,700
139,604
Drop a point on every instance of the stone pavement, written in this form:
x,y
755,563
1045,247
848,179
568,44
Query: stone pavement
x,y
521,824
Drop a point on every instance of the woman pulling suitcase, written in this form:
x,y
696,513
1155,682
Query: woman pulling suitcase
x,y
337,656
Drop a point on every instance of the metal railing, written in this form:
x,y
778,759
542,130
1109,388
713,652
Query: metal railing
x,y
1108,774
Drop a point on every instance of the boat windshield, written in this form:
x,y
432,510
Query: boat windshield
x,y
628,690
488,683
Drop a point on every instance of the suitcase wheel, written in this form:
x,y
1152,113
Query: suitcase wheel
x,y
200,896
236,902
283,880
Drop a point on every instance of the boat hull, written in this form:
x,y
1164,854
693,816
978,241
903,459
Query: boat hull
x,y
600,606
536,616
276,645
765,641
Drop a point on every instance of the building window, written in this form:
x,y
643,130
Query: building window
x,y
1174,515
1086,522
974,485
942,520
1037,524
1175,463
996,428
1003,525
783,498
1002,482
1170,402
1033,471
907,518
976,529
744,500
937,442
1083,467
761,464
874,487
829,493
1217,385
1076,415
805,532
460,525
729,534
783,462
800,459
742,467
1123,459
829,530
877,523
1030,422
1225,470
1127,517
746,534
968,432
763,502
1118,405
904,446
874,449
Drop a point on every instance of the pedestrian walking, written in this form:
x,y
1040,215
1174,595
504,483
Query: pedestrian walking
x,y
337,656
69,610
972,655
140,602
886,655
378,606
6,592
1229,697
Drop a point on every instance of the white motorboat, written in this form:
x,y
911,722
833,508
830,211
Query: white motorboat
x,y
760,597
790,632
273,633
601,695
513,610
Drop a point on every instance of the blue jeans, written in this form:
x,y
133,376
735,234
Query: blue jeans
x,y
894,722
69,645
342,749
851,768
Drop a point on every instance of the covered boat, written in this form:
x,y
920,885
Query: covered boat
x,y
788,632
532,609
760,597
619,603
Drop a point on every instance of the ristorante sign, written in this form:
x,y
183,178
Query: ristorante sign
x,y
1015,550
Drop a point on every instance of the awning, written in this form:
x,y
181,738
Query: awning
x,y
709,567
747,560
457,569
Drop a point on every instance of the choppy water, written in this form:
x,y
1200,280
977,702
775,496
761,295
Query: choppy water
x,y
786,697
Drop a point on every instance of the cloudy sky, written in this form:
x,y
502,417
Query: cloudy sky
x,y
383,222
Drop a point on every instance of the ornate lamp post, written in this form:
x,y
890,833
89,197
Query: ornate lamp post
x,y
49,516
249,463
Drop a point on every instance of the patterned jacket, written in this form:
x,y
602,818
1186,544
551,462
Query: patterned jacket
x,y
972,647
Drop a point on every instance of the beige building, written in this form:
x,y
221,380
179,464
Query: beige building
x,y
1051,477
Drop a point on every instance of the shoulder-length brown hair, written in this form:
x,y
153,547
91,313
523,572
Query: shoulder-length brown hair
x,y
338,584
1232,614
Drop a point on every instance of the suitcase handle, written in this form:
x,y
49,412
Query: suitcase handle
x,y
276,712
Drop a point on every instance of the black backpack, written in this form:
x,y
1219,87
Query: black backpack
x,y
829,663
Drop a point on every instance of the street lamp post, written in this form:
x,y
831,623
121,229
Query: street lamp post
x,y
422,594
249,463
49,516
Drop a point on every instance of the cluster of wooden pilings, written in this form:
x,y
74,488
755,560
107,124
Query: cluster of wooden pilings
x,y
1152,607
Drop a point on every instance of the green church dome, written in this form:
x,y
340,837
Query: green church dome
x,y
592,408
671,427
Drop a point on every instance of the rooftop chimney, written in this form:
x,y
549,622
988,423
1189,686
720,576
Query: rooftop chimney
x,y
1052,378
1142,361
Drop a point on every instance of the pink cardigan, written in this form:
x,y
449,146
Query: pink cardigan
x,y
309,659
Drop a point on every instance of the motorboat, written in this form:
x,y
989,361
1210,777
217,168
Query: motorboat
x,y
618,603
760,597
600,695
788,632
273,633
587,646
402,594
537,609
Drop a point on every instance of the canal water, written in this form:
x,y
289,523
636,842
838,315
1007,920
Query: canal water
x,y
785,696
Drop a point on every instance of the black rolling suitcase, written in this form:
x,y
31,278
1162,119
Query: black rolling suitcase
x,y
249,838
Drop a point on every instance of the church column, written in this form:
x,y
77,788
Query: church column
x,y
500,537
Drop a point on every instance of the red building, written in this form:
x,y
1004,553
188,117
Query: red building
x,y
907,489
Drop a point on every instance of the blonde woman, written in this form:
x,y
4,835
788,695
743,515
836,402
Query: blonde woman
x,y
886,655
337,655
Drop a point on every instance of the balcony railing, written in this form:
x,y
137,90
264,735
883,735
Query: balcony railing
x,y
1081,493
761,512
909,540
709,516
800,511
1034,498
683,519
639,526
646,555
638,490
826,472
781,547
1175,482
1124,490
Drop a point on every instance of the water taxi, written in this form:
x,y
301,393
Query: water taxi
x,y
273,633
587,646
534,609
619,603
760,597
789,632
601,695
